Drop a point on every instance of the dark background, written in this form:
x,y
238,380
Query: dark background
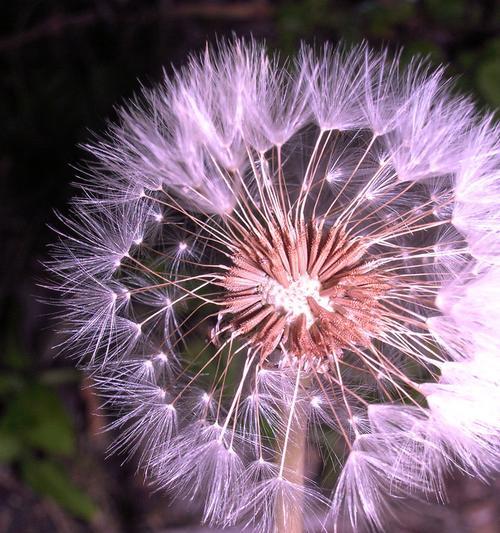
x,y
64,65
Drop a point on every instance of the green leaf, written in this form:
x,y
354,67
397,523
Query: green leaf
x,y
10,447
49,479
488,81
38,419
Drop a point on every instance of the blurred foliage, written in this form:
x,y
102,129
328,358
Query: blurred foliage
x,y
487,67
37,436
460,33
48,478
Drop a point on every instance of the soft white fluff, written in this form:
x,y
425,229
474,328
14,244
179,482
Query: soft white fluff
x,y
351,138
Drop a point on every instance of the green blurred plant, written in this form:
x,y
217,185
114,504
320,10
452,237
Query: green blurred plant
x,y
37,435
459,33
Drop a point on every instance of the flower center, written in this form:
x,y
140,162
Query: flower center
x,y
309,290
293,299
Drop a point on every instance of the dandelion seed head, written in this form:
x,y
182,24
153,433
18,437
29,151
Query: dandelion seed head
x,y
267,258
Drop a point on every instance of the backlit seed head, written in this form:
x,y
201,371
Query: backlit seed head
x,y
267,260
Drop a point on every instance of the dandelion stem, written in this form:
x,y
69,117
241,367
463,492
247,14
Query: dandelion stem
x,y
289,511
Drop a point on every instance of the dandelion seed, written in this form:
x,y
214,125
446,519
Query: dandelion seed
x,y
265,261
